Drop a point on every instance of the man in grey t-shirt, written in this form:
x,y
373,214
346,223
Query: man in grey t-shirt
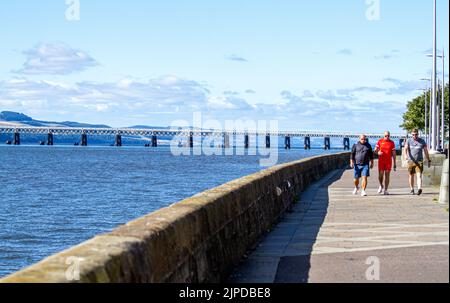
x,y
415,147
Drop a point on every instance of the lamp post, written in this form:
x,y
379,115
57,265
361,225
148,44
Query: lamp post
x,y
433,124
427,135
424,92
440,127
443,101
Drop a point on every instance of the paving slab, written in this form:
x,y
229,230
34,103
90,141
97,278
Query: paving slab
x,y
335,236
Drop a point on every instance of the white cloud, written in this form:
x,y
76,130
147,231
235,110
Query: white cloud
x,y
55,59
164,94
129,100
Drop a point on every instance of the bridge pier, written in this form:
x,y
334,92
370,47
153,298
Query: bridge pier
x,y
267,141
346,143
118,141
16,140
287,142
307,143
246,142
226,141
49,139
191,140
327,143
154,141
84,141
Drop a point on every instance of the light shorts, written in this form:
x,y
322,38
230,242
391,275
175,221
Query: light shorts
x,y
415,168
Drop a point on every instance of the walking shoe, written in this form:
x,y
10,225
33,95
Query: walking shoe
x,y
412,192
380,189
386,193
419,192
363,193
355,191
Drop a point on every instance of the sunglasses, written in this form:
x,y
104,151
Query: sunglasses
x,y
415,135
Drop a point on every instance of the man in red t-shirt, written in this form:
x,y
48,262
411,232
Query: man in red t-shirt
x,y
385,149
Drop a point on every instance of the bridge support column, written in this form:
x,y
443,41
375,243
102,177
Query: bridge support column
x,y
287,142
246,142
16,140
267,141
226,141
307,143
49,139
84,141
154,141
327,143
118,141
191,140
346,143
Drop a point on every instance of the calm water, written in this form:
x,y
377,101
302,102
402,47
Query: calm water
x,y
52,198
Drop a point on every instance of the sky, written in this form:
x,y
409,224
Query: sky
x,y
309,65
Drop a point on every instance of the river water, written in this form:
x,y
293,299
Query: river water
x,y
52,198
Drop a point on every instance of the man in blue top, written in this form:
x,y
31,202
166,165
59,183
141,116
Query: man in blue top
x,y
415,147
362,162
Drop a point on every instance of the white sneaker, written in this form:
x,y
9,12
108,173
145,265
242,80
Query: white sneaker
x,y
380,189
355,191
363,193
386,193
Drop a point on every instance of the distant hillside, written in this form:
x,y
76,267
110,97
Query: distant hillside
x,y
8,116
14,117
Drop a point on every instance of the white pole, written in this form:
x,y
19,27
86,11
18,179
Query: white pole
x,y
443,101
433,85
426,115
429,120
438,115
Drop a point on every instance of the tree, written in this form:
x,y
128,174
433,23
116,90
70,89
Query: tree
x,y
414,117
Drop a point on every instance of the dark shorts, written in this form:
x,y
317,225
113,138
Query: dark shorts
x,y
415,168
362,170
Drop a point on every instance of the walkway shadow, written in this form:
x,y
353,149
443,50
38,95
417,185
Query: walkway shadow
x,y
295,263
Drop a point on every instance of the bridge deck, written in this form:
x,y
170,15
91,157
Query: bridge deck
x,y
331,234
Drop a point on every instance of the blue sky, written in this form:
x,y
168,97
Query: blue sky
x,y
311,65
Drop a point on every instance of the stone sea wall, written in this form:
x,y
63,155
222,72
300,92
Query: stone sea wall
x,y
200,239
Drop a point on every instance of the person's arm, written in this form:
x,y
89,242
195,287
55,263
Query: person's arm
x,y
394,158
352,157
406,151
377,147
371,157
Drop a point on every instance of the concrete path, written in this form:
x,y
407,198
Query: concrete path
x,y
334,236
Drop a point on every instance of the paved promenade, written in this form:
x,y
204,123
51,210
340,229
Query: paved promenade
x,y
334,236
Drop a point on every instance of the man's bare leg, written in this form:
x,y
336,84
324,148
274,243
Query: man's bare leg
x,y
381,177
387,179
411,181
419,180
364,183
419,183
